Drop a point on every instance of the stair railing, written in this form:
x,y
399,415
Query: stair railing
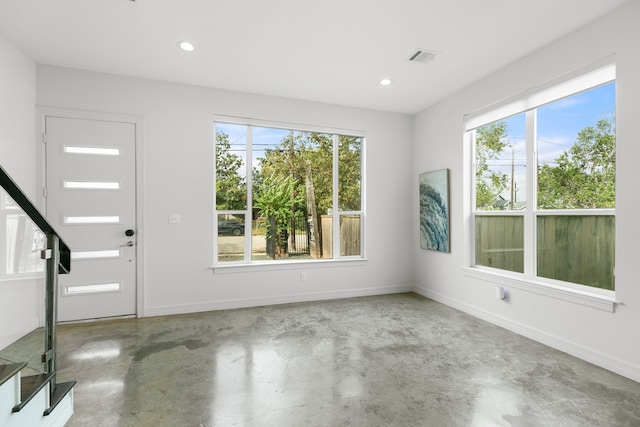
x,y
57,256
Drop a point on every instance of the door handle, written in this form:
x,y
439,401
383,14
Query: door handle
x,y
129,243
129,233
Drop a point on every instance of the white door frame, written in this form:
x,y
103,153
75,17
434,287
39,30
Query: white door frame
x,y
138,122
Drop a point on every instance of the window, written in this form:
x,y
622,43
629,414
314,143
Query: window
x,y
21,243
286,194
544,184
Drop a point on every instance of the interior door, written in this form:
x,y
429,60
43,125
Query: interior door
x,y
91,202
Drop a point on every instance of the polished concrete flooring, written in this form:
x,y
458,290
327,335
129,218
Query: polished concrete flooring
x,y
394,360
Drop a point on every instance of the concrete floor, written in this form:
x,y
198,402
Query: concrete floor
x,y
395,360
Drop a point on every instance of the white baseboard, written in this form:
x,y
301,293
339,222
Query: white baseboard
x,y
280,299
597,358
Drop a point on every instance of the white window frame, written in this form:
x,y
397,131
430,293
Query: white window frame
x,y
581,80
253,265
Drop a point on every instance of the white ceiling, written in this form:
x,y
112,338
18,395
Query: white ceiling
x,y
333,51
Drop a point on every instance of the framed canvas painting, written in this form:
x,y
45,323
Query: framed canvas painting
x,y
434,210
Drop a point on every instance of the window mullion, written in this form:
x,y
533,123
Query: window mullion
x,y
532,192
248,219
336,209
471,252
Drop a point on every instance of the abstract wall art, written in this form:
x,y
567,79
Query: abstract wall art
x,y
434,211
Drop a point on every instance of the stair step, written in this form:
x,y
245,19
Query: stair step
x,y
30,386
9,370
62,389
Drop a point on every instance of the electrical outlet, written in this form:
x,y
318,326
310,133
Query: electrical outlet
x,y
174,218
303,276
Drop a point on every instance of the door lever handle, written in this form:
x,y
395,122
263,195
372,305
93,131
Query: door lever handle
x,y
129,243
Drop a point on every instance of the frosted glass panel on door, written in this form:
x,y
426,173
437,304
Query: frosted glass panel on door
x,y
86,289
91,185
91,219
80,255
96,151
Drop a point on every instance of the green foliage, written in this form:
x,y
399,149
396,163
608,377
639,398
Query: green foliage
x,y
273,200
231,188
349,173
293,179
584,176
490,141
296,152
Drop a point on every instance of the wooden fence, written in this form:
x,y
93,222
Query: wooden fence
x,y
500,242
349,235
572,248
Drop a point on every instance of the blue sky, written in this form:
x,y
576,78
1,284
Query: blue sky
x,y
262,138
558,125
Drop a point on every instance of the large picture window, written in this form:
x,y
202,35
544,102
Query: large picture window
x,y
285,194
544,184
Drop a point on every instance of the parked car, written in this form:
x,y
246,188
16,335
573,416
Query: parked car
x,y
230,226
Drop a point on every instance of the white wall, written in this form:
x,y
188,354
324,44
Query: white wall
x,y
607,339
178,178
17,116
18,157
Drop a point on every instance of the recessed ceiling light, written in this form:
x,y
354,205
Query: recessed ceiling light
x,y
385,82
186,46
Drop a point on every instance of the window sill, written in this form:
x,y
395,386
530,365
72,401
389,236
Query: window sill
x,y
576,296
287,265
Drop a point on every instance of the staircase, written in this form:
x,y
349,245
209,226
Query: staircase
x,y
31,257
27,401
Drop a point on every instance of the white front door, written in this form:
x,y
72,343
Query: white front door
x,y
91,202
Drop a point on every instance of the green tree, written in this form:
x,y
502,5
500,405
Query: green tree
x,y
584,177
300,151
490,142
317,158
306,158
297,153
231,188
349,173
273,200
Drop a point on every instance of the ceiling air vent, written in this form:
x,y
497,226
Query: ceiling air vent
x,y
422,55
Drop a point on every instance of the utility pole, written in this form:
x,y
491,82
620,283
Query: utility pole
x,y
511,202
